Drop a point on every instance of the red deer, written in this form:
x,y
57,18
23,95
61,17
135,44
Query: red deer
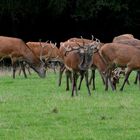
x,y
97,60
122,55
62,52
99,63
77,59
17,50
47,51
72,42
129,40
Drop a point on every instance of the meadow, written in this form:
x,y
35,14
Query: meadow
x,y
38,109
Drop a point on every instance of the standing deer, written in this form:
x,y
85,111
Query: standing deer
x,y
77,59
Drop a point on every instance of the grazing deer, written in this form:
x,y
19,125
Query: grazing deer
x,y
17,50
47,51
122,55
129,39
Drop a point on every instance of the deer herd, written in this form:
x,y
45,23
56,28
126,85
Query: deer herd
x,y
76,56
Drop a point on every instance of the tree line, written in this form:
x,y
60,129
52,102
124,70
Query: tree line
x,y
60,19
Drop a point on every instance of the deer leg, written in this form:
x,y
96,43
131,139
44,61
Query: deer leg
x,y
107,74
136,79
68,75
61,70
23,69
112,84
103,79
14,71
73,84
138,73
20,71
86,80
76,77
126,78
14,64
81,79
53,67
128,82
28,68
74,89
93,82
92,78
106,81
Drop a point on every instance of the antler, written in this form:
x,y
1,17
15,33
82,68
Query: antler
x,y
97,40
41,51
92,37
93,46
83,41
78,44
69,49
53,46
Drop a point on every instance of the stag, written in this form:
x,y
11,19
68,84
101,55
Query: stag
x,y
129,39
48,52
17,50
77,60
122,55
72,42
97,60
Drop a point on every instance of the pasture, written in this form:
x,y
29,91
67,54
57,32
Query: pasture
x,y
37,109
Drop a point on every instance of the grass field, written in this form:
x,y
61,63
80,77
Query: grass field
x,y
37,109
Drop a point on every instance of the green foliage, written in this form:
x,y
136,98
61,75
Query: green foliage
x,y
119,15
56,8
79,8
90,9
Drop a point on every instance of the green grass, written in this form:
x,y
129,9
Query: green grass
x,y
37,109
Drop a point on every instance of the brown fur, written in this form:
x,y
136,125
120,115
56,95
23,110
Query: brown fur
x,y
73,61
17,50
49,50
80,40
122,37
121,55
